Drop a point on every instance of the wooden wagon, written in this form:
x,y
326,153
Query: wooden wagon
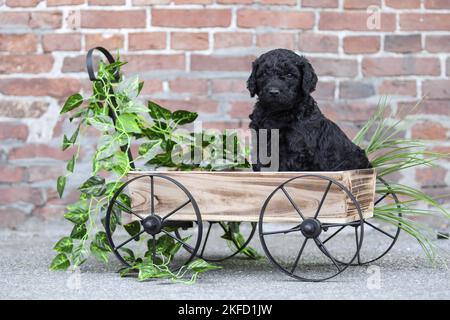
x,y
308,210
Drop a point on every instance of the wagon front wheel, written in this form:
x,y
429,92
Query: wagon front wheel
x,y
138,227
308,246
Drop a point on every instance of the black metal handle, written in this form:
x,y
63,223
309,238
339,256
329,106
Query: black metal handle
x,y
92,77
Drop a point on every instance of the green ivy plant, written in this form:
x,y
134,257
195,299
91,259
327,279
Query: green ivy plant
x,y
115,111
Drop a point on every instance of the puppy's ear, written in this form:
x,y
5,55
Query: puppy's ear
x,y
309,77
251,82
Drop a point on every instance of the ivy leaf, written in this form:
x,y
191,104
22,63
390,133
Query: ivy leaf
x,y
94,186
183,116
130,257
101,122
77,217
100,253
101,240
74,101
133,229
79,255
201,265
60,262
148,150
69,142
64,245
78,231
128,122
60,185
157,112
71,164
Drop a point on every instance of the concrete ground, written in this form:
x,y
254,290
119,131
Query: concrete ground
x,y
25,255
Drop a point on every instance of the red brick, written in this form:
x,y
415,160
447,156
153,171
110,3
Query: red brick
x,y
221,63
193,86
437,4
355,90
51,3
147,41
12,218
61,42
429,131
324,90
232,39
254,18
61,87
361,44
22,109
403,4
348,111
26,63
436,89
22,3
13,131
276,40
18,43
320,3
335,67
74,64
45,20
428,106
113,19
235,1
229,85
437,44
193,18
149,2
354,20
431,177
138,63
285,2
195,104
106,2
108,41
189,40
398,87
396,66
21,194
10,174
192,1
448,66
424,21
12,20
443,150
224,125
403,43
361,4
33,151
151,86
241,109
313,42
43,173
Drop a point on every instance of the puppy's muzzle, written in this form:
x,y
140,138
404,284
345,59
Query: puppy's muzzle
x,y
274,91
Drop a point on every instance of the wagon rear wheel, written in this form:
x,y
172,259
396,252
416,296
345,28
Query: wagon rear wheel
x,y
142,230
217,232
309,249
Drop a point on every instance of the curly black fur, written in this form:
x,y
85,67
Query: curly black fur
x,y
283,82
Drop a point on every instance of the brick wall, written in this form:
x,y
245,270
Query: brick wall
x,y
196,54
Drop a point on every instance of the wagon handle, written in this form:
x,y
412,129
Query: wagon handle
x,y
92,77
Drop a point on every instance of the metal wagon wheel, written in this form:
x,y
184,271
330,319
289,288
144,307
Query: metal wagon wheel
x,y
150,224
316,251
218,227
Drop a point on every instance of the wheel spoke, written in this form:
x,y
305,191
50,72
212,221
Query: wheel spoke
x,y
335,233
331,225
323,199
298,256
179,240
381,199
128,240
292,202
357,245
206,239
175,210
127,210
296,228
152,194
379,230
327,253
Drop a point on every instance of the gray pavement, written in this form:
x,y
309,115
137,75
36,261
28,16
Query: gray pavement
x,y
405,273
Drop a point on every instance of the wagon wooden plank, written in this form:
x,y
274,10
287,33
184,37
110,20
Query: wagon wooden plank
x,y
240,195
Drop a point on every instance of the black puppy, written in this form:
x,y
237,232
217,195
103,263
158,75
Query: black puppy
x,y
308,141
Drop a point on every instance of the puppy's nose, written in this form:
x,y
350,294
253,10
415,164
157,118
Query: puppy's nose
x,y
274,91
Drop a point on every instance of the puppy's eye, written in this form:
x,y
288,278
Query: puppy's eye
x,y
289,75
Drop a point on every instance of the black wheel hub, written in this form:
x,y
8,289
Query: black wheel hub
x,y
311,228
152,224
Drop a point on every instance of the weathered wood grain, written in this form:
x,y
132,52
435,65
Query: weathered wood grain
x,y
239,195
